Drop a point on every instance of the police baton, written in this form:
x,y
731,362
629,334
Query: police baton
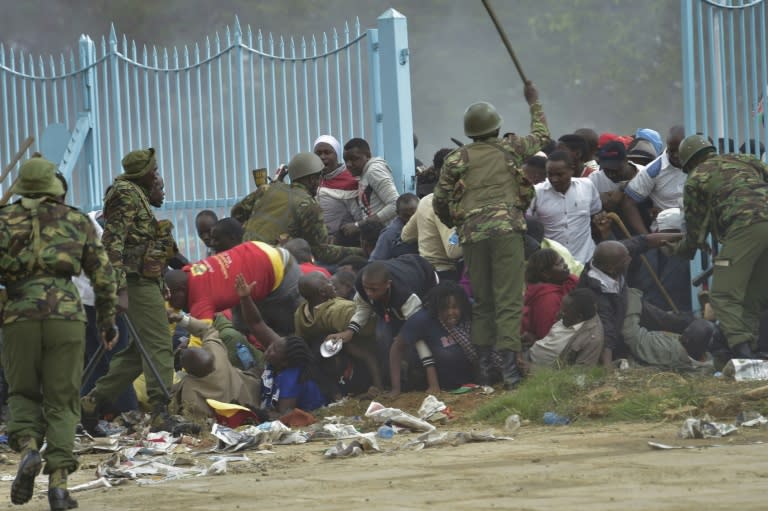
x,y
92,363
505,40
133,333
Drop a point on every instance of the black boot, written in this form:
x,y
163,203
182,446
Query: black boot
x,y
743,350
24,484
59,499
509,371
485,365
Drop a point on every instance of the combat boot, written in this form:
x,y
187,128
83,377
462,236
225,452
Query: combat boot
x,y
89,415
485,365
743,350
510,373
58,495
24,484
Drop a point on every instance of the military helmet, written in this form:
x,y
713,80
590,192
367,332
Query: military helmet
x,y
304,164
693,145
38,176
481,119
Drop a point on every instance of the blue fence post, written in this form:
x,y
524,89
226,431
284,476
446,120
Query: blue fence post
x,y
89,154
374,92
397,115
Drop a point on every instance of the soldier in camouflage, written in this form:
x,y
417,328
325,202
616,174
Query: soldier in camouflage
x,y
43,243
138,246
278,212
483,192
727,196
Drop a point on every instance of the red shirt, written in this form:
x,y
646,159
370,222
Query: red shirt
x,y
212,281
310,267
541,305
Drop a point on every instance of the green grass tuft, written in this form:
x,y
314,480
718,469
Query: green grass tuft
x,y
546,390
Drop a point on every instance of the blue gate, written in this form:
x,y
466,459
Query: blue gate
x,y
214,111
725,76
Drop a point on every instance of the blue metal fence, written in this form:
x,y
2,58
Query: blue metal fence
x,y
241,100
725,76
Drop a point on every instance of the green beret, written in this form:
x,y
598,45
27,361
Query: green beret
x,y
137,164
38,176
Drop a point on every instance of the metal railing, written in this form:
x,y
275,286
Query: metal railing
x,y
214,111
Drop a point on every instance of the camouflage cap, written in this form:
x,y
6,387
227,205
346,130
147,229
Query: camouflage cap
x,y
691,146
137,164
38,176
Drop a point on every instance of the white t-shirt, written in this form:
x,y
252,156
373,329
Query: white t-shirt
x,y
659,181
602,182
567,218
82,282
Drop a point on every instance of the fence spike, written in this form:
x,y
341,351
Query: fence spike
x,y
357,26
335,37
238,30
103,46
227,36
186,55
314,46
165,58
155,61
52,65
217,40
12,58
41,65
346,31
22,67
208,47
112,34
144,54
260,38
2,54
134,53
197,53
325,42
250,36
125,46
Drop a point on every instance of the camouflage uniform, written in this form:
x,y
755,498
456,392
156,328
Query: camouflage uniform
x,y
43,243
138,247
483,192
727,196
278,212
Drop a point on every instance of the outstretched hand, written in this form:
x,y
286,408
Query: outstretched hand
x,y
243,288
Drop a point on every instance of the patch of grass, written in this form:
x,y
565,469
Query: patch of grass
x,y
546,390
649,402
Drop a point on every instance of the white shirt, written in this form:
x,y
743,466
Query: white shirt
x,y
82,282
602,182
661,182
567,218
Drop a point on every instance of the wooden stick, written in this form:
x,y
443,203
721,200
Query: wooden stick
x,y
24,146
654,276
505,40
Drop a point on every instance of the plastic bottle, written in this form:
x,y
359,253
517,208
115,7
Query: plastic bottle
x,y
553,419
386,431
245,356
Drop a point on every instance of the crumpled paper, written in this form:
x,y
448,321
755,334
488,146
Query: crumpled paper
x,y
744,369
274,432
705,428
363,443
382,414
433,439
431,409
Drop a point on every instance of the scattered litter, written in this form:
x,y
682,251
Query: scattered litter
x,y
487,389
363,443
274,432
380,413
434,410
433,439
101,482
341,431
704,428
744,369
512,423
750,419
386,431
553,419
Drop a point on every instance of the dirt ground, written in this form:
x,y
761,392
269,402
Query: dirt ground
x,y
586,465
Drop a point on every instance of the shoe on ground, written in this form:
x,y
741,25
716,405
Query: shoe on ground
x,y
24,484
60,500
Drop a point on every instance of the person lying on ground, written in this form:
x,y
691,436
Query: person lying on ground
x,y
291,378
209,372
575,339
440,335
323,313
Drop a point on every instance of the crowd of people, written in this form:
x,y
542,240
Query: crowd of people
x,y
516,253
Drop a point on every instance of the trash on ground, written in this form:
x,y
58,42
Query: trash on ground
x,y
274,432
101,482
744,369
362,444
512,423
554,419
750,419
705,428
380,413
433,410
433,439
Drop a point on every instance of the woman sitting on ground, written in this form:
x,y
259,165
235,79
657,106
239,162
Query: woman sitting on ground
x,y
291,378
547,282
439,333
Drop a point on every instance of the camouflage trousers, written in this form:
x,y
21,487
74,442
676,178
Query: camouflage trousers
x,y
43,362
146,309
740,283
496,272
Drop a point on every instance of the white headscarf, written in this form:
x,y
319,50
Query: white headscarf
x,y
331,141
